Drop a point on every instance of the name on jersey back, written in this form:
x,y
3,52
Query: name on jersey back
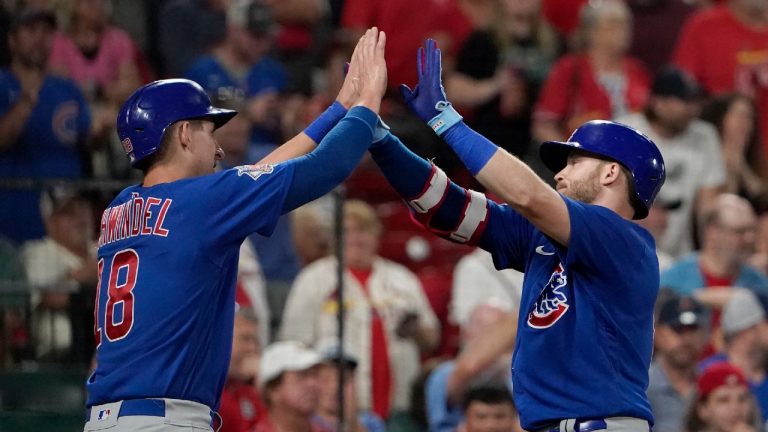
x,y
136,217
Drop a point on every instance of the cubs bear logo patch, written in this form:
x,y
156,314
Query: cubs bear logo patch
x,y
255,171
552,303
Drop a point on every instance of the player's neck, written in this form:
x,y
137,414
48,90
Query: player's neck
x,y
164,173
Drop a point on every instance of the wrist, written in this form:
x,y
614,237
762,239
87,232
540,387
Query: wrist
x,y
323,124
446,118
345,102
474,150
371,102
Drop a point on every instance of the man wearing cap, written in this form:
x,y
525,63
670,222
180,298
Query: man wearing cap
x,y
679,339
691,150
44,123
727,230
288,379
743,325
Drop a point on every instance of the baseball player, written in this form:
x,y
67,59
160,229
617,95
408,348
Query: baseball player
x,y
168,248
585,328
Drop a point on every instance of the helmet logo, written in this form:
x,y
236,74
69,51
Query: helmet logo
x,y
127,145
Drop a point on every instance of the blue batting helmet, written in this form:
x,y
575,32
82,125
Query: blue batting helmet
x,y
149,111
635,151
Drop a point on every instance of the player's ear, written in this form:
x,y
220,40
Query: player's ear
x,y
183,133
610,172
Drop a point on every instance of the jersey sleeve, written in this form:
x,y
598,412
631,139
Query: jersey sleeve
x,y
242,200
604,244
507,236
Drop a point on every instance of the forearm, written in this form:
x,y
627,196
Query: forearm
x,y
512,181
437,202
318,172
467,91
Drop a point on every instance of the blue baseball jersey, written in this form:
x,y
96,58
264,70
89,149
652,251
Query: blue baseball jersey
x,y
167,265
585,331
50,146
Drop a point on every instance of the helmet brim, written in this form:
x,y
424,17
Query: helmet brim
x,y
554,154
219,116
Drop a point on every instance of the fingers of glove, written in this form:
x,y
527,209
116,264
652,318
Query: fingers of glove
x,y
430,57
437,65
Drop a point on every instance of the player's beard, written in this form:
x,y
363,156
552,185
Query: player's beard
x,y
584,190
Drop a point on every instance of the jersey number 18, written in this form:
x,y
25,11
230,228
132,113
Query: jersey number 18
x,y
120,292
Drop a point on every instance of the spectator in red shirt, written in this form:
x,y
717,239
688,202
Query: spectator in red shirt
x,y
241,404
599,82
726,49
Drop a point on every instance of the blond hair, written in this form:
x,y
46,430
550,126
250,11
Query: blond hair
x,y
364,214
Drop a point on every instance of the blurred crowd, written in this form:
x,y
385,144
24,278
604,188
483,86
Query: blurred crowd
x,y
429,326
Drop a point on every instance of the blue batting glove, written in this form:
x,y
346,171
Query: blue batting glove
x,y
428,100
429,91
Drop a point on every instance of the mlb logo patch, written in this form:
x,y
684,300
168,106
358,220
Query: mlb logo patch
x,y
104,414
255,171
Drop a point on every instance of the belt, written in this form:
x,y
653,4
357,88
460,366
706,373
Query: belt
x,y
136,407
579,426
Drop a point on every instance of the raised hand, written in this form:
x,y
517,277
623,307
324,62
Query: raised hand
x,y
371,76
428,97
349,92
